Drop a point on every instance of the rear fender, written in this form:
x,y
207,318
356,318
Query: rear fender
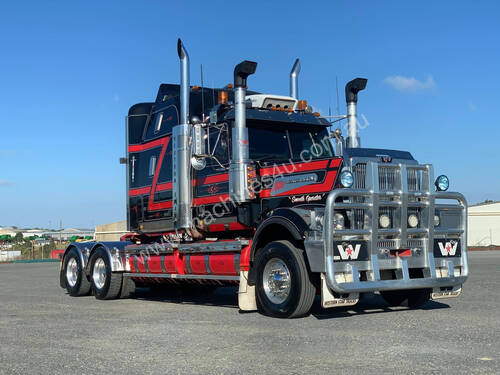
x,y
115,254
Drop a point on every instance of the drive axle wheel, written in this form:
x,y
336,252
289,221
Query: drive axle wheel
x,y
284,288
75,279
105,284
414,297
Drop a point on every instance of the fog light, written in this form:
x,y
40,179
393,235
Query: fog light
x,y
384,221
338,221
413,221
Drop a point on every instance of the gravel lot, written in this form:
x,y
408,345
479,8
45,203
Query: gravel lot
x,y
45,331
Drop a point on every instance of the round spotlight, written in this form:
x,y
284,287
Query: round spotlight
x,y
413,221
346,179
384,221
437,220
338,221
442,183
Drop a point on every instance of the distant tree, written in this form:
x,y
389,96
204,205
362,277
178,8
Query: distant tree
x,y
19,237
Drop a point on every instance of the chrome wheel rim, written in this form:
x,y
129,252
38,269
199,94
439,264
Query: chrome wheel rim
x,y
72,272
276,281
99,273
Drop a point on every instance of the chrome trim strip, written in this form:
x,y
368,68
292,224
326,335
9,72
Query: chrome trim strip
x,y
237,262
162,261
188,264
206,260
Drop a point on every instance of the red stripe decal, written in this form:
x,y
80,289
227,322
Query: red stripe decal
x,y
164,186
335,162
158,206
139,191
211,199
294,168
211,179
147,146
326,185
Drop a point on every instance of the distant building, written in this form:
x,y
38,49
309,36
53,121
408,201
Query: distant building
x,y
9,255
67,234
8,231
33,232
111,231
484,224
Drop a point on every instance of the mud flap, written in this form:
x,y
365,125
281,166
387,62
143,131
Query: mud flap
x,y
246,294
437,293
329,300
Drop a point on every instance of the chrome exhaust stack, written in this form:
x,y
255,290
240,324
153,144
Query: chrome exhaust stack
x,y
239,191
182,196
351,96
294,80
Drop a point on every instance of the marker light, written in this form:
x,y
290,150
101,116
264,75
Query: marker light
x,y
346,179
442,183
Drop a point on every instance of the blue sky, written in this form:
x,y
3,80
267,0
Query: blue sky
x,y
70,70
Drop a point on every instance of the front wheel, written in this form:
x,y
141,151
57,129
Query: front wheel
x,y
105,284
284,288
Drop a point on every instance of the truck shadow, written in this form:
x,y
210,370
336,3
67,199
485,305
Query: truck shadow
x,y
369,303
222,297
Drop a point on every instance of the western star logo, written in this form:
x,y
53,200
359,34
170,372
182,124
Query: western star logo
x,y
448,248
348,252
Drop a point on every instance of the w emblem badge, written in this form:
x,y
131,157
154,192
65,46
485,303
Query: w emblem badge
x,y
351,251
446,248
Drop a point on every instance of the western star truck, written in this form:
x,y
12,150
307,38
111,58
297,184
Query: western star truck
x,y
234,187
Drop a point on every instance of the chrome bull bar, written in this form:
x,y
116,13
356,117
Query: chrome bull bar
x,y
402,198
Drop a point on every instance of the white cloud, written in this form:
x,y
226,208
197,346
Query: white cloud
x,y
5,183
410,84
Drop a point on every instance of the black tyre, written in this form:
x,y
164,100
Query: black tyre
x,y
412,298
105,284
74,277
284,288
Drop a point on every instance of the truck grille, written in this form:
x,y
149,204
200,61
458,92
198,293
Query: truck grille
x,y
389,178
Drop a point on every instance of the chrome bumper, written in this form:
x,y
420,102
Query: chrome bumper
x,y
343,277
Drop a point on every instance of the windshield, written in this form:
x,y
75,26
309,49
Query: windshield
x,y
277,145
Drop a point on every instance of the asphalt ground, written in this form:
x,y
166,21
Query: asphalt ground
x,y
45,331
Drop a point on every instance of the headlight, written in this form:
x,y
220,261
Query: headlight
x,y
346,179
338,221
437,220
442,183
413,221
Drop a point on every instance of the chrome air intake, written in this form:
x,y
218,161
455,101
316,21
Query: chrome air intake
x,y
238,169
181,169
294,80
351,96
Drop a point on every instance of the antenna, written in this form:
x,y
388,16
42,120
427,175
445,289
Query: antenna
x,y
202,96
213,93
337,88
